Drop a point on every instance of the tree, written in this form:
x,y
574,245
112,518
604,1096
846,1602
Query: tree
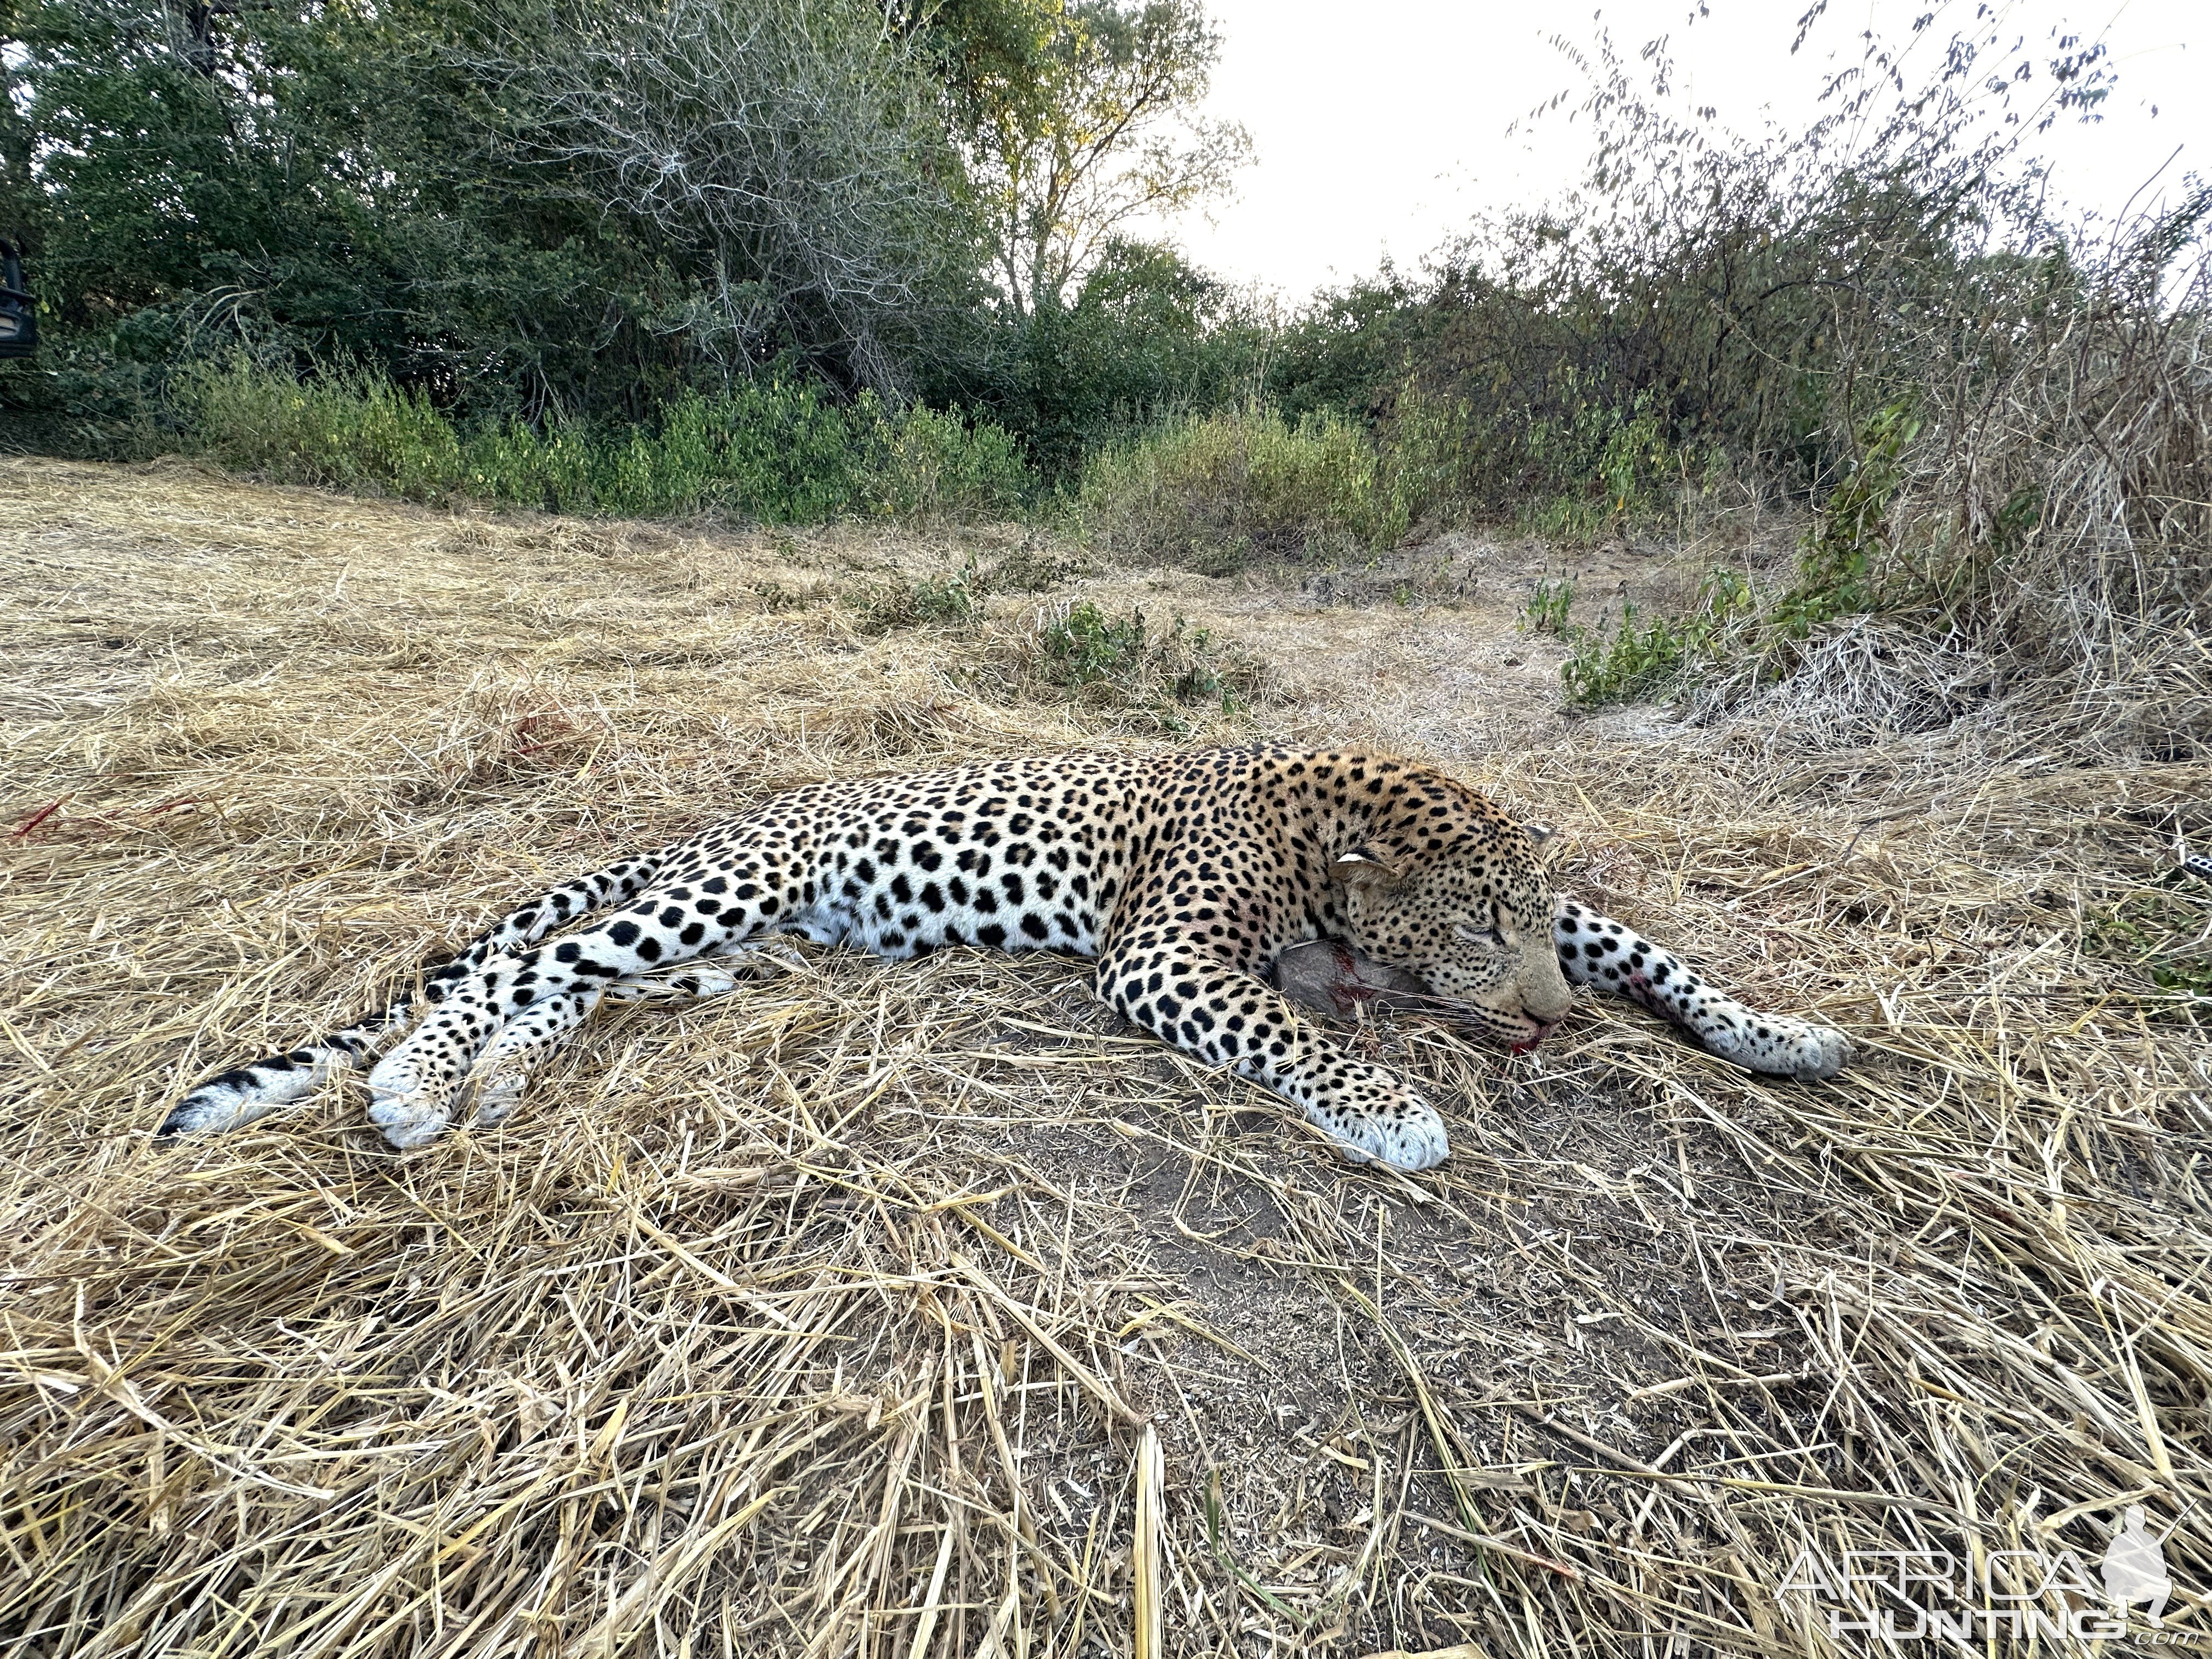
x,y
524,207
786,147
1075,119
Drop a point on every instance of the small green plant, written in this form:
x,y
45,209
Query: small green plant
x,y
1086,650
1547,609
2164,933
1196,676
1085,646
775,596
957,599
1638,657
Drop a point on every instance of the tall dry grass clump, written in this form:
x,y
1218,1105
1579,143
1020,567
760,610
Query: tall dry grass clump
x,y
2060,503
1989,414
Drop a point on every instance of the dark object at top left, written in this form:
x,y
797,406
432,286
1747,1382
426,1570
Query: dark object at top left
x,y
19,326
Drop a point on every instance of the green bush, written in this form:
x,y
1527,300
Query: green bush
x,y
1084,646
1638,658
1842,570
924,462
1570,470
1842,567
907,603
1216,491
776,453
348,430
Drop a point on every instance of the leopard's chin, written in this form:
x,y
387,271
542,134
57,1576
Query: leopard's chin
x,y
1536,1031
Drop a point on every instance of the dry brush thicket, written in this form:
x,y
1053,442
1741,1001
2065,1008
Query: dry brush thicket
x,y
915,1309
2059,512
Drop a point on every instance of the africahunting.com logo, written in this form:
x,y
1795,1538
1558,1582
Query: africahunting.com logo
x,y
1907,1595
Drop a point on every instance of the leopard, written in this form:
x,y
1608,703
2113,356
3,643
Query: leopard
x,y
1186,876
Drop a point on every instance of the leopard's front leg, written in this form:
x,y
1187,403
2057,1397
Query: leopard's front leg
x,y
1176,988
1595,949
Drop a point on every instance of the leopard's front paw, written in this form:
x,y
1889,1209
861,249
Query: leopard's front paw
x,y
1781,1047
1818,1051
1398,1128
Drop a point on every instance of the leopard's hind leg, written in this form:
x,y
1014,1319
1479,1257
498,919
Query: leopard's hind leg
x,y
502,1071
245,1093
716,891
1597,951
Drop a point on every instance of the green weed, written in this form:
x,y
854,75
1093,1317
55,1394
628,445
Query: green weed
x,y
1032,568
346,430
2164,935
1638,657
1085,650
1840,569
1843,569
1548,608
1086,646
957,599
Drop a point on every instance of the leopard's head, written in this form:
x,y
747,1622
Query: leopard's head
x,y
1473,921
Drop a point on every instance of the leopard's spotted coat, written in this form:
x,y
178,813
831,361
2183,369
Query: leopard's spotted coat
x,y
1185,875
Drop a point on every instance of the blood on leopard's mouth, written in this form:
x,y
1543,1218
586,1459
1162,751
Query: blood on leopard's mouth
x,y
1538,1030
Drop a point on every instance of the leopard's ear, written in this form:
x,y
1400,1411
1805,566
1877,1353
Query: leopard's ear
x,y
1539,835
1366,866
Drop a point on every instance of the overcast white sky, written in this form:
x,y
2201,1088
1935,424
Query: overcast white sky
x,y
1381,127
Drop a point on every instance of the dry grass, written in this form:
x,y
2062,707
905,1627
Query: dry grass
x,y
921,1309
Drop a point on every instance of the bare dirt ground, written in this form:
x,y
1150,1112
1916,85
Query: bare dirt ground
x,y
842,1315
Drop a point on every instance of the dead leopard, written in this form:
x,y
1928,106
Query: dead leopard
x,y
1186,876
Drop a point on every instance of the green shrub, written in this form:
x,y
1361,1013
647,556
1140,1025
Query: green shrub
x,y
1570,470
1638,658
1031,568
345,429
1216,491
775,454
1843,568
925,463
1084,646
907,603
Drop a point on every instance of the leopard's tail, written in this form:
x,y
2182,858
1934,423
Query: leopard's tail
x,y
245,1093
